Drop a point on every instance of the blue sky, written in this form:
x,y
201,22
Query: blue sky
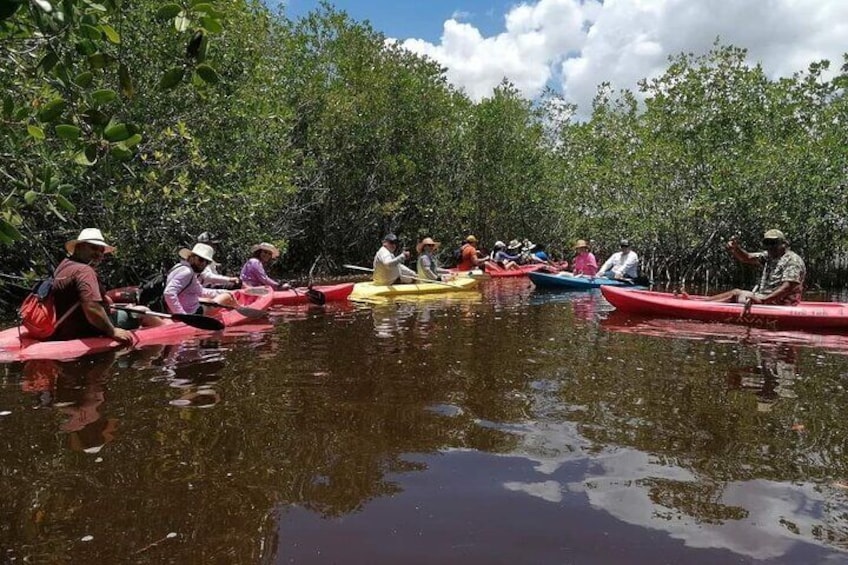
x,y
403,19
574,45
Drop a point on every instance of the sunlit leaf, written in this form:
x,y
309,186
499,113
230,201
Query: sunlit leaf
x,y
68,132
104,96
35,132
211,24
65,204
111,34
181,22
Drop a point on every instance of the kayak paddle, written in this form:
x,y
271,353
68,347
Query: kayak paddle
x,y
198,321
358,268
251,313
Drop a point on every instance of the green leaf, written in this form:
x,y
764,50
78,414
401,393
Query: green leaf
x,y
171,78
52,110
104,96
207,73
30,196
125,81
99,60
111,34
65,204
181,22
90,32
83,80
82,159
95,6
168,11
68,132
133,140
35,132
202,7
9,230
211,24
65,189
116,132
48,61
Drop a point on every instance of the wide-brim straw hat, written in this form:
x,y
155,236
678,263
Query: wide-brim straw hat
x,y
426,241
581,243
514,244
200,249
265,247
89,235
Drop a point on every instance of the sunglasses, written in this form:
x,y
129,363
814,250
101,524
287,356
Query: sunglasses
x,y
771,242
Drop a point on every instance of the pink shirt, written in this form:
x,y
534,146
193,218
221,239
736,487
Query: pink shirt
x,y
585,264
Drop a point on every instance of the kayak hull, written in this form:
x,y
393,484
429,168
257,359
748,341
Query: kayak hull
x,y
369,290
15,345
804,316
293,297
496,271
561,280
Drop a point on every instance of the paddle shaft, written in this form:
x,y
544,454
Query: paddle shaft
x,y
243,310
195,320
358,268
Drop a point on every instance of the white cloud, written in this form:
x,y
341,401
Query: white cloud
x,y
577,45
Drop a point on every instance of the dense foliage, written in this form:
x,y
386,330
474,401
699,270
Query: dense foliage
x,y
158,121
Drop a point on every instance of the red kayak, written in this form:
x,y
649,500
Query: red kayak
x,y
496,271
15,345
332,293
804,316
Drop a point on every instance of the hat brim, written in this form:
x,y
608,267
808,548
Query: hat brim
x,y
71,246
420,246
273,251
185,253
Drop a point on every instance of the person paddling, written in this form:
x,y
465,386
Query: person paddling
x,y
428,266
388,267
80,299
622,265
210,277
469,258
584,262
782,279
183,290
253,272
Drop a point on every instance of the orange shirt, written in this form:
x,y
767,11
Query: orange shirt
x,y
469,258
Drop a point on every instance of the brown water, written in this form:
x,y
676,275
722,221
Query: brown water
x,y
514,427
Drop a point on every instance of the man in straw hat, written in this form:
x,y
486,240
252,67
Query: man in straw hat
x,y
388,268
782,280
584,262
183,290
82,306
428,267
253,272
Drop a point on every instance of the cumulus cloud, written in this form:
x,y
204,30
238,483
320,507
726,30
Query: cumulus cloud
x,y
575,45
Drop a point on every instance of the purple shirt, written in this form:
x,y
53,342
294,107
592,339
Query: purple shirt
x,y
253,274
183,291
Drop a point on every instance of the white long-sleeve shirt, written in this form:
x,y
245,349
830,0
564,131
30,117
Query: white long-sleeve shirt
x,y
387,266
623,264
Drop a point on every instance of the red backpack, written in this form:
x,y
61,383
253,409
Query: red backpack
x,y
38,312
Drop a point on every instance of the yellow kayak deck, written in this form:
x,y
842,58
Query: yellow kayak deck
x,y
367,290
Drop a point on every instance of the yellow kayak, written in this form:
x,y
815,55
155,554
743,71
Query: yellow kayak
x,y
368,290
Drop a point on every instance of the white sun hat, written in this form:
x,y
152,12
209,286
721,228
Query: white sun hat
x,y
89,235
200,249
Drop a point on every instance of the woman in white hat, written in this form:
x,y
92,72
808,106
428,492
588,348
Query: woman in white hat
x,y
253,272
503,258
428,267
183,290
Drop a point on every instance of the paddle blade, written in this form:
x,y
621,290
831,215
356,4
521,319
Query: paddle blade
x,y
251,313
199,321
316,297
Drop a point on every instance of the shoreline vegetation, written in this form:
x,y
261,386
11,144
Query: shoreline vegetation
x,y
156,121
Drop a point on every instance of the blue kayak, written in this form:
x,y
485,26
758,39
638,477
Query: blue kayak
x,y
563,280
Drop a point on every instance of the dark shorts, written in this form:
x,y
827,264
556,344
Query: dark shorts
x,y
124,320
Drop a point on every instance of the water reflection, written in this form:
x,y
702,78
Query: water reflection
x,y
77,391
425,428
